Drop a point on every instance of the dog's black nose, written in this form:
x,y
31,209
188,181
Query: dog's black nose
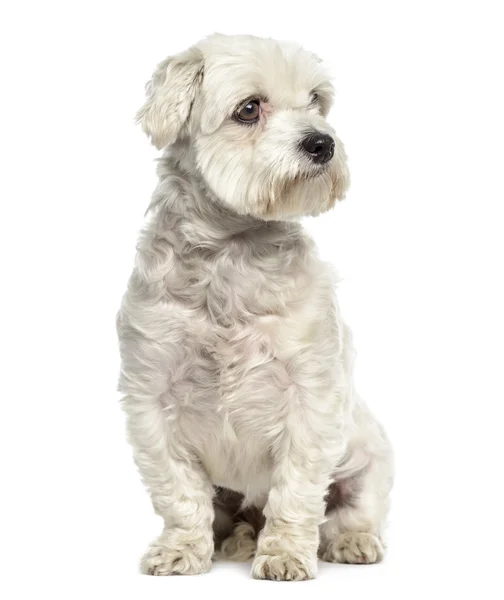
x,y
319,147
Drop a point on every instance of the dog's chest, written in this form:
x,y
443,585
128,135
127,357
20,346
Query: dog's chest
x,y
257,321
254,358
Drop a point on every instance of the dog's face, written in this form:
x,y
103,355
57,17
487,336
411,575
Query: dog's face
x,y
254,112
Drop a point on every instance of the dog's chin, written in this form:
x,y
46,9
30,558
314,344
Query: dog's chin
x,y
310,192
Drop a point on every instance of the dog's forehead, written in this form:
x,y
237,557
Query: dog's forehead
x,y
239,66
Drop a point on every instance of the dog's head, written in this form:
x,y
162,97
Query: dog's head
x,y
254,111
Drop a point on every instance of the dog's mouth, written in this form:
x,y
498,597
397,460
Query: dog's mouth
x,y
311,173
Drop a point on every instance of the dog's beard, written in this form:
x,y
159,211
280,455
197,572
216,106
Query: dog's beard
x,y
309,191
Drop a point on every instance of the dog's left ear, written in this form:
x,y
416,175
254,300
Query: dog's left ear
x,y
171,93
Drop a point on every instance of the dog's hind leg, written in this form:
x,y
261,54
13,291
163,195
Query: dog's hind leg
x,y
357,508
241,545
227,504
236,528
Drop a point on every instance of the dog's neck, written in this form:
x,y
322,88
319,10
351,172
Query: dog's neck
x,y
191,239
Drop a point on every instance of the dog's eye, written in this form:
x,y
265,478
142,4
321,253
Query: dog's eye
x,y
314,98
249,113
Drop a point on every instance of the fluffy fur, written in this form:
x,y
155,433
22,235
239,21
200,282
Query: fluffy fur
x,y
236,363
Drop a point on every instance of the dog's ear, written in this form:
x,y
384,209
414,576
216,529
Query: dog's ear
x,y
170,95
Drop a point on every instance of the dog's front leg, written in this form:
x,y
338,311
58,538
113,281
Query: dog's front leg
x,y
180,491
287,546
179,487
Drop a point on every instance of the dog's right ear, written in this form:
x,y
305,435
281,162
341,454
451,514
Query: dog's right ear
x,y
171,93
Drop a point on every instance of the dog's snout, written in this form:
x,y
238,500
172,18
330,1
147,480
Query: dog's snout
x,y
319,147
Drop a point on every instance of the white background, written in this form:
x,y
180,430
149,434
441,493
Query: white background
x,y
418,244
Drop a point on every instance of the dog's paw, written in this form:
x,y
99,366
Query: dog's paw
x,y
355,548
167,557
283,567
241,545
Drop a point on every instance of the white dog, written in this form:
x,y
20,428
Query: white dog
x,y
236,364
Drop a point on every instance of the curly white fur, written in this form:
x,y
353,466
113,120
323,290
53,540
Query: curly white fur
x,y
236,364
